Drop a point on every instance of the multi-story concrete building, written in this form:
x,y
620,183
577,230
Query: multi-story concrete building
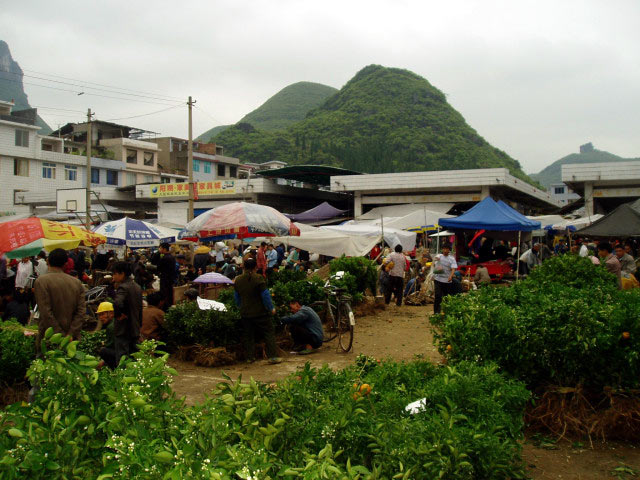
x,y
209,161
35,166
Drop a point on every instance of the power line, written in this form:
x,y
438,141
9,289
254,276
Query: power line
x,y
102,84
59,109
143,115
89,87
208,114
85,93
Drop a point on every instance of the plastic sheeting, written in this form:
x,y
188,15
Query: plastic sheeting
x,y
405,209
417,220
326,242
324,211
392,236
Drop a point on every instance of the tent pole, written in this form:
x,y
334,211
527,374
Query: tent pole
x,y
424,230
382,231
438,241
518,262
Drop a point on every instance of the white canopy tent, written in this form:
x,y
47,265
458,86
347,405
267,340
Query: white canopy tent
x,y
326,242
415,220
392,236
405,209
576,223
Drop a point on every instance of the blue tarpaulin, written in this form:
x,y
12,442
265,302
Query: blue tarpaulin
x,y
493,216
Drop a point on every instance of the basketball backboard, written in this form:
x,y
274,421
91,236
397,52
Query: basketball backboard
x,y
71,200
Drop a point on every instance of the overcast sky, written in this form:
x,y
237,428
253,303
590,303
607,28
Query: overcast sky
x,y
536,79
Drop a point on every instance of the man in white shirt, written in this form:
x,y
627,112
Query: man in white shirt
x,y
24,271
445,267
41,264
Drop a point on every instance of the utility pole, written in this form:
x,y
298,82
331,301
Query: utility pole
x,y
88,209
190,161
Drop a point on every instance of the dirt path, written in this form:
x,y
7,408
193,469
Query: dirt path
x,y
397,332
402,333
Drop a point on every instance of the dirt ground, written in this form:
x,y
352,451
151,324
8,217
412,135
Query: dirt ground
x,y
402,333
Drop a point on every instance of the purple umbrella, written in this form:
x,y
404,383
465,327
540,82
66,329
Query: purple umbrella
x,y
213,277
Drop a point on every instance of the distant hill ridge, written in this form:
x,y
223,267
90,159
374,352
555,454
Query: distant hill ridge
x,y
553,173
382,120
11,87
286,107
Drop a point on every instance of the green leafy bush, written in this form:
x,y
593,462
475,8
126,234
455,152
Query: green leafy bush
x,y
565,325
92,342
364,270
285,276
305,291
186,324
88,423
17,351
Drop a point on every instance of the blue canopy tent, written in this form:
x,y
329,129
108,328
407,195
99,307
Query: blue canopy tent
x,y
492,216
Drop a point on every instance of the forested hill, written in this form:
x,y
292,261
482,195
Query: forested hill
x,y
553,173
382,120
289,105
11,87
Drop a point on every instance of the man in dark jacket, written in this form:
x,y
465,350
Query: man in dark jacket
x,y
60,299
305,327
254,300
127,306
166,264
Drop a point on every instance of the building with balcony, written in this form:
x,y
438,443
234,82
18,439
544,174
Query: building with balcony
x,y
33,167
209,161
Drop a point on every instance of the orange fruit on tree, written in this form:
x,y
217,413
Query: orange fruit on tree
x,y
355,386
449,348
626,335
365,389
356,396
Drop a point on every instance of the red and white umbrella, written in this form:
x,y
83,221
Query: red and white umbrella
x,y
241,220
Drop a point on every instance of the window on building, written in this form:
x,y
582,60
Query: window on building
x,y
47,147
165,180
221,170
148,159
233,172
196,165
22,138
132,156
558,190
112,177
71,172
95,175
207,167
131,178
21,167
148,179
48,170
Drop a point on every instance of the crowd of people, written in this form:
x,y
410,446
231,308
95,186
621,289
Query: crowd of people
x,y
51,290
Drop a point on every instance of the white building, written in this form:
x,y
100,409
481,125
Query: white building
x,y
562,194
445,186
603,186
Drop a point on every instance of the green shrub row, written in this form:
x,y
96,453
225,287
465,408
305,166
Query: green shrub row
x,y
566,324
17,351
126,423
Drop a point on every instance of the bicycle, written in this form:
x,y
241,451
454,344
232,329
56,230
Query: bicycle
x,y
338,317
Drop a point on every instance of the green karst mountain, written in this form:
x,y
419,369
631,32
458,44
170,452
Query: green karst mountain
x,y
11,87
382,120
553,173
286,107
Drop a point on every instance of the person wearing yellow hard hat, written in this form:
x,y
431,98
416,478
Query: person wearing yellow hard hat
x,y
105,314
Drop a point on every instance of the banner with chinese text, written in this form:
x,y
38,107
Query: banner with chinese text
x,y
220,187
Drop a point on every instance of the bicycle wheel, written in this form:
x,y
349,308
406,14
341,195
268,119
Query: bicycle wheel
x,y
329,321
345,323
